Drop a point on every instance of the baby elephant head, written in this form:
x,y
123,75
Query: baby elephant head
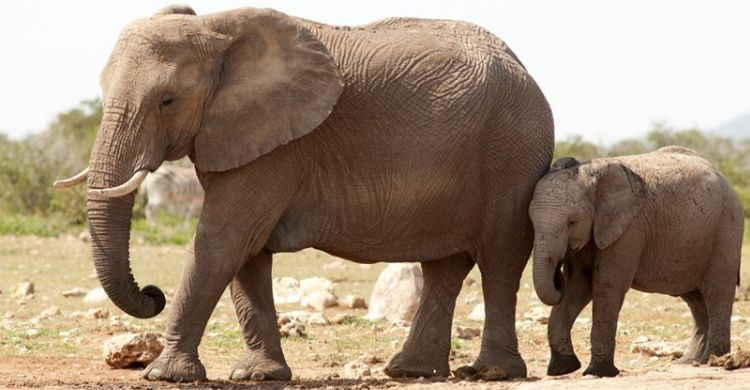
x,y
572,201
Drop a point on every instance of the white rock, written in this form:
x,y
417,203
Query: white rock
x,y
537,314
84,236
304,317
356,369
316,283
396,293
74,292
22,290
739,319
132,349
319,300
286,290
33,332
477,314
96,295
354,302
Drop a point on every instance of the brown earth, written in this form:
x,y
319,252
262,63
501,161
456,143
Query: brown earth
x,y
62,351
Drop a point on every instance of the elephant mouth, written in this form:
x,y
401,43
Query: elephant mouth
x,y
558,278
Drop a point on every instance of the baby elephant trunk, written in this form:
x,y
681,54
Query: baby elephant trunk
x,y
548,281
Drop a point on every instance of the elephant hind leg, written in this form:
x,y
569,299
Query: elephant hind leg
x,y
427,348
499,354
697,343
718,289
252,295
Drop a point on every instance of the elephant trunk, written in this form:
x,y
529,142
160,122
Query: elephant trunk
x,y
548,281
112,164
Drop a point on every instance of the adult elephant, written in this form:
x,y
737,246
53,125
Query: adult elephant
x,y
402,140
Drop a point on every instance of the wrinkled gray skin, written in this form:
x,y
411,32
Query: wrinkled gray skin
x,y
402,140
665,222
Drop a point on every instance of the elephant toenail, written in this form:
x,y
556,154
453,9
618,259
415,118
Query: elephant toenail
x,y
258,376
238,374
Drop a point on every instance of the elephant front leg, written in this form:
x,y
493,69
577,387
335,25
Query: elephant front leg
x,y
563,359
427,349
252,294
204,279
608,289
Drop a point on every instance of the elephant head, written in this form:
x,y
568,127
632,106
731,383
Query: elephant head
x,y
572,201
223,88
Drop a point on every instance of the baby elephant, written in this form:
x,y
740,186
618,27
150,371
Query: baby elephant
x,y
665,222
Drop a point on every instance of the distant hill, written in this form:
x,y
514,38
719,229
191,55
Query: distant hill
x,y
737,128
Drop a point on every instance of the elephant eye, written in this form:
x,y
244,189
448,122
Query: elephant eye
x,y
571,223
166,100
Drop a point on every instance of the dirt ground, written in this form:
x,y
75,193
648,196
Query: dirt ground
x,y
63,350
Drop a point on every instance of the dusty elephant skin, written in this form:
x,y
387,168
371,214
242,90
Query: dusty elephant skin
x,y
665,222
401,140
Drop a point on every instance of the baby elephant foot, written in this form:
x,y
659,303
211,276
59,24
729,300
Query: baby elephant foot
x,y
561,364
402,366
602,368
175,368
493,370
261,367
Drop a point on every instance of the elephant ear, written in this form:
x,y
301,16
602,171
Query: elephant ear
x,y
620,196
277,83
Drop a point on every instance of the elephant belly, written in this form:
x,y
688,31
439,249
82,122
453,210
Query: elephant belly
x,y
674,274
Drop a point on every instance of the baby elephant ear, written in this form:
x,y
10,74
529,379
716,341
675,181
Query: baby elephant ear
x,y
620,196
175,9
564,163
278,83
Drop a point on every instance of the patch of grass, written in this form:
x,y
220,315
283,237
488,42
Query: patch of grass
x,y
169,230
456,344
32,225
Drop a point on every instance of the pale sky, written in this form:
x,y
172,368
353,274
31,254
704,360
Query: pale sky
x,y
609,69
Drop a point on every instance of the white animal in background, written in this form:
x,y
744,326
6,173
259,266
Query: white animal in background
x,y
175,188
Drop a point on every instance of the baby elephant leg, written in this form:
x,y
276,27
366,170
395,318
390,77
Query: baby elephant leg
x,y
577,295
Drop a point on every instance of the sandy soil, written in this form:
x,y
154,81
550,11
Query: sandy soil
x,y
63,351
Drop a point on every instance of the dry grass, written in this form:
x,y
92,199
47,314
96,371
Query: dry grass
x,y
62,351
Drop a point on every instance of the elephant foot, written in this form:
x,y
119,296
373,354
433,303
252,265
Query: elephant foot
x,y
405,366
175,368
493,371
602,368
561,364
258,366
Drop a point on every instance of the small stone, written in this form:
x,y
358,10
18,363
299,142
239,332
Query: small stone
x,y
132,349
472,298
74,292
356,370
50,311
477,314
336,265
85,236
96,295
319,300
738,319
647,347
97,313
467,333
354,302
286,290
468,282
33,332
537,314
22,290
292,329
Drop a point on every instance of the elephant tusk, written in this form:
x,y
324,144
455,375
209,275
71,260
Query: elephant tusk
x,y
123,189
72,181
